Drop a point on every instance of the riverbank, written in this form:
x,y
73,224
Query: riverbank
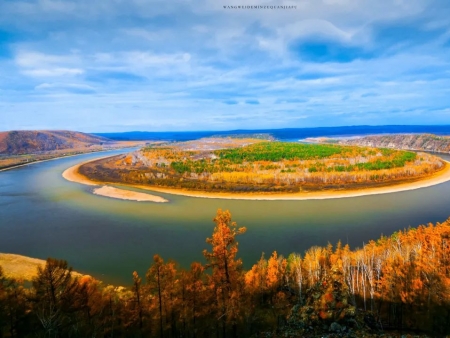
x,y
23,267
14,166
57,157
71,174
441,176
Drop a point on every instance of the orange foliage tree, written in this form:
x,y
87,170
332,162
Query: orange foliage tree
x,y
227,277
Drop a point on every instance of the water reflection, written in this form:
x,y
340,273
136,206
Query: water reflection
x,y
43,215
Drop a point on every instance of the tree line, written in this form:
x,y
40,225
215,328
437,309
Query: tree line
x,y
397,282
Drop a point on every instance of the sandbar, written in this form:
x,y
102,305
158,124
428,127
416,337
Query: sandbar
x,y
72,174
439,177
112,192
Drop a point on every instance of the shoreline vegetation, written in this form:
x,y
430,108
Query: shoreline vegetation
x,y
429,170
391,286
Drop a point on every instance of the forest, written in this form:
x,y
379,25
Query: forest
x,y
263,166
394,285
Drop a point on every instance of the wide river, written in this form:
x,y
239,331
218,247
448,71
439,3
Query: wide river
x,y
42,215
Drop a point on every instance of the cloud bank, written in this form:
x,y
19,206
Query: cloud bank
x,y
195,65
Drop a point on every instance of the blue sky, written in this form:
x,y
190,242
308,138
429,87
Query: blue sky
x,y
157,65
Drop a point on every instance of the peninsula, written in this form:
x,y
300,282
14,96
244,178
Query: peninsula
x,y
260,169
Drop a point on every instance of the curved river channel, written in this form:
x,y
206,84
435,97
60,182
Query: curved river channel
x,y
42,215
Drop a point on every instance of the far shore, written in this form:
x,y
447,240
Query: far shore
x,y
441,176
14,166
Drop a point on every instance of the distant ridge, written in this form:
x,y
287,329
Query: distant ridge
x,y
34,141
424,142
282,134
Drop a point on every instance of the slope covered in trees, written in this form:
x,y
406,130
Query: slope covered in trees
x,y
263,166
400,282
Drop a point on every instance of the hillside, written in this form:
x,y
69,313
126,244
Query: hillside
x,y
424,142
35,141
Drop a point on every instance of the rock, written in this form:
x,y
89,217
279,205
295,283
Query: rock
x,y
335,327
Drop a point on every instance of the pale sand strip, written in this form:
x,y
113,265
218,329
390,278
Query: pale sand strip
x,y
440,177
127,195
73,175
23,267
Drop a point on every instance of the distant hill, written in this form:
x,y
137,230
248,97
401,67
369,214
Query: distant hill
x,y
424,142
287,134
35,141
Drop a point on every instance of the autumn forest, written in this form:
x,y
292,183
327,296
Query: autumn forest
x,y
400,282
255,165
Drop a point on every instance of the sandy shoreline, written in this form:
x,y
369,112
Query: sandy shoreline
x,y
71,174
442,176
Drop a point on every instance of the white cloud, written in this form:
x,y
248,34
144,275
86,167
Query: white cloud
x,y
149,59
35,59
37,64
145,34
53,72
51,86
313,27
160,60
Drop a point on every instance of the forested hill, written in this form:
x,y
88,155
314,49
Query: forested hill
x,y
425,142
33,141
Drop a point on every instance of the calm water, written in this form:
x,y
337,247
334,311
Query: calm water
x,y
42,215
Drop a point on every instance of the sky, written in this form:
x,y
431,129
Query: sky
x,y
158,65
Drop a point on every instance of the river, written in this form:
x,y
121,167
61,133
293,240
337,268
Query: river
x,y
42,215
